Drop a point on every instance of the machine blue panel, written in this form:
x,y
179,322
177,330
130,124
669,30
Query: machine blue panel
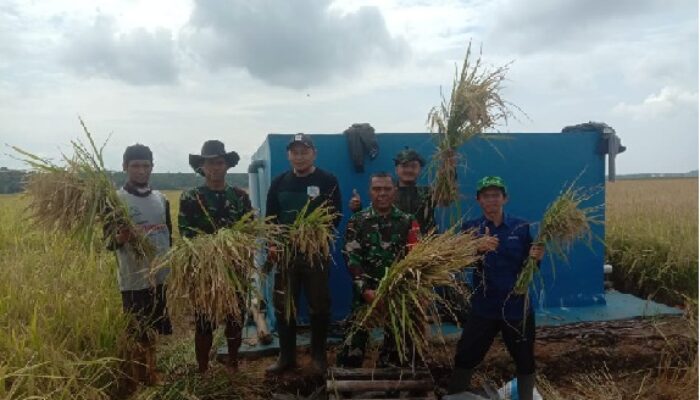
x,y
535,166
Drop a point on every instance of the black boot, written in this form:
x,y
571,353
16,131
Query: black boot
x,y
461,380
288,347
319,334
526,386
202,346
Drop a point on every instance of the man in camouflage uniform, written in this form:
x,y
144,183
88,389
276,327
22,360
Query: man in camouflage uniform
x,y
410,198
375,238
204,210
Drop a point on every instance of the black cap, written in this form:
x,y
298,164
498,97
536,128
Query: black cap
x,y
213,149
301,138
137,152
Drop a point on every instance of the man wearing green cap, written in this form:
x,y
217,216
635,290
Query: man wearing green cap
x,y
205,210
410,198
494,307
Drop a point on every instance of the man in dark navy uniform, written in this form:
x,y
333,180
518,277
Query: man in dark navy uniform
x,y
494,306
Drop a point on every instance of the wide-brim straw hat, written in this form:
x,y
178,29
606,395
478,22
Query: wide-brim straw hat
x,y
213,149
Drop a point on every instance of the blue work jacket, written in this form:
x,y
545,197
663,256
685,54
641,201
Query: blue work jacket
x,y
495,276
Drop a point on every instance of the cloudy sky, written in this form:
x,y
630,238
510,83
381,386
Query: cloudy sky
x,y
172,73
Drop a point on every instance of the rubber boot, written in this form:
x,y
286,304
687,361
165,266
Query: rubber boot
x,y
319,334
202,347
234,339
288,347
526,386
233,345
460,381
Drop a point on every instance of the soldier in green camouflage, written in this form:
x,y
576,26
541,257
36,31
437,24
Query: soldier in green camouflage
x,y
205,210
410,198
374,239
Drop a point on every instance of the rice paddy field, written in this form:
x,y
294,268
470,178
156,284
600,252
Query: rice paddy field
x,y
652,238
61,322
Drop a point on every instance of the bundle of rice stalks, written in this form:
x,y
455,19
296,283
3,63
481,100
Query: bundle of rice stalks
x,y
311,235
564,222
475,105
405,299
215,271
78,196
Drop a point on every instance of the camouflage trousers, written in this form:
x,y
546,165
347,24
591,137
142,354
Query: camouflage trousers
x,y
352,355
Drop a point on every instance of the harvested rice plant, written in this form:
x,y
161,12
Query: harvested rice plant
x,y
406,298
565,221
76,195
212,270
474,106
311,235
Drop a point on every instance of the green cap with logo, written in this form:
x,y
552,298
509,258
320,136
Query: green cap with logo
x,y
490,181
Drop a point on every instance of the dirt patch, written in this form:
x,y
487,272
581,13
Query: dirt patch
x,y
630,359
628,354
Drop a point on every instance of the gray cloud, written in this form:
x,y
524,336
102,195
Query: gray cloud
x,y
573,25
10,41
138,57
290,43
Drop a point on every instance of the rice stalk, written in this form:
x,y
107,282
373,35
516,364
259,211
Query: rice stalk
x,y
79,195
405,298
308,238
311,235
218,385
214,271
565,221
475,105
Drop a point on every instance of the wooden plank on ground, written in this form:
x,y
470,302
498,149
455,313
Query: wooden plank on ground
x,y
376,373
378,385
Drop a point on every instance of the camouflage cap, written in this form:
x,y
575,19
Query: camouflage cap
x,y
408,154
490,181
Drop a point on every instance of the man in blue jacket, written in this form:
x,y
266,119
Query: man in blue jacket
x,y
495,308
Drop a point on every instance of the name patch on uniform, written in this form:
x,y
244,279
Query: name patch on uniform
x,y
513,237
313,191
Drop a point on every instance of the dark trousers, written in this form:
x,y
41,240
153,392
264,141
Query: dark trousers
x,y
233,327
352,354
478,334
149,310
313,280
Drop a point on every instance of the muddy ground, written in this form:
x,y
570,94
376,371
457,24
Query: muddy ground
x,y
630,359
